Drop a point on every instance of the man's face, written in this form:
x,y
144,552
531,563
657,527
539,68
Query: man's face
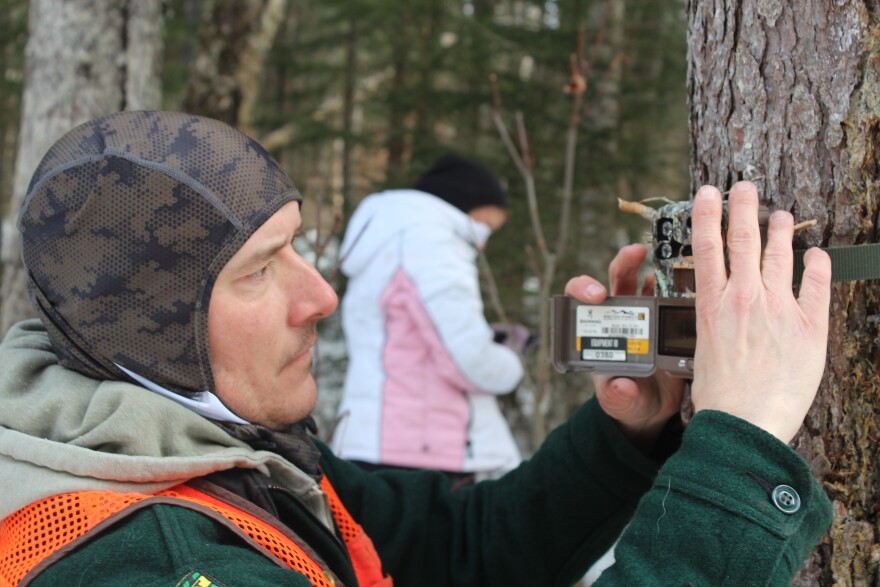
x,y
262,324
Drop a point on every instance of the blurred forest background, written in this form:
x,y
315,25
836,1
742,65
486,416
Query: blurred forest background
x,y
353,96
614,98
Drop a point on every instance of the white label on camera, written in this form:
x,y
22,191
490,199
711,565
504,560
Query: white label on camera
x,y
597,355
613,321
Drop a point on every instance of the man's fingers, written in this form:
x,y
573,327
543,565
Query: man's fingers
x,y
620,398
623,273
778,262
815,294
586,289
743,233
649,284
710,271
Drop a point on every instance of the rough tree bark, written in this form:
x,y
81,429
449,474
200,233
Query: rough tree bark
x,y
790,90
233,42
83,58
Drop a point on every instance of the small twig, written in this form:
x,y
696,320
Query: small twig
x,y
801,226
615,63
337,220
663,199
495,301
577,83
342,258
496,93
502,128
571,138
523,137
316,246
646,212
531,193
580,44
533,264
492,287
594,51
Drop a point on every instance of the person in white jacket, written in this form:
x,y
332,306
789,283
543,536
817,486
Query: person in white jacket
x,y
424,370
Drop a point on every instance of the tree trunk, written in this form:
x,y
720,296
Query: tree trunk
x,y
13,35
397,109
352,46
428,65
234,40
789,90
84,58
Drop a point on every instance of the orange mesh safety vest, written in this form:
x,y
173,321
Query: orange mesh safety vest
x,y
39,532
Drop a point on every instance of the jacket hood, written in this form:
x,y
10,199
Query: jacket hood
x,y
61,431
383,215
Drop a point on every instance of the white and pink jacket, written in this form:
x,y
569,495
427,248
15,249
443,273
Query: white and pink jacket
x,y
423,369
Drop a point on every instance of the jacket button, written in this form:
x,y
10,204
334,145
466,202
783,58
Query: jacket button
x,y
786,499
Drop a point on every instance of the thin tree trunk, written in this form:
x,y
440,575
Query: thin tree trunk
x,y
396,142
788,90
423,119
234,40
84,58
351,50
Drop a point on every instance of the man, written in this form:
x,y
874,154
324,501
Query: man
x,y
154,427
424,371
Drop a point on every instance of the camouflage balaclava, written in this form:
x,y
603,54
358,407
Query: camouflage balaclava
x,y
127,222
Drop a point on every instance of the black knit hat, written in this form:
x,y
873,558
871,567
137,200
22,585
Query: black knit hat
x,y
463,182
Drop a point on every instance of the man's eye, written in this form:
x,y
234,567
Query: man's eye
x,y
260,273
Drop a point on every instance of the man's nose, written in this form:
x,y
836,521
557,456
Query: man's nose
x,y
312,297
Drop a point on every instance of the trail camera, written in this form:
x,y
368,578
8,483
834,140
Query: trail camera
x,y
637,335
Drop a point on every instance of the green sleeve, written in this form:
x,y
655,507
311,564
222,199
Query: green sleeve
x,y
710,519
162,545
706,518
542,524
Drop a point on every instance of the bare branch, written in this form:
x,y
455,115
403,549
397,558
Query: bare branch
x,y
642,210
334,228
579,86
508,142
534,265
577,83
801,226
594,51
615,63
496,93
523,164
495,302
492,287
278,138
523,137
342,258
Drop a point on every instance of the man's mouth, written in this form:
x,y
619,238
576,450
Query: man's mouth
x,y
303,355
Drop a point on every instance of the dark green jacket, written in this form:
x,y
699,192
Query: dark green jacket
x,y
705,518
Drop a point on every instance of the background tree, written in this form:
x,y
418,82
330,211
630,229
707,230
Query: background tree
x,y
83,58
234,40
13,35
789,90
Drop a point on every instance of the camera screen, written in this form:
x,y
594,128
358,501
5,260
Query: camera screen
x,y
677,331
